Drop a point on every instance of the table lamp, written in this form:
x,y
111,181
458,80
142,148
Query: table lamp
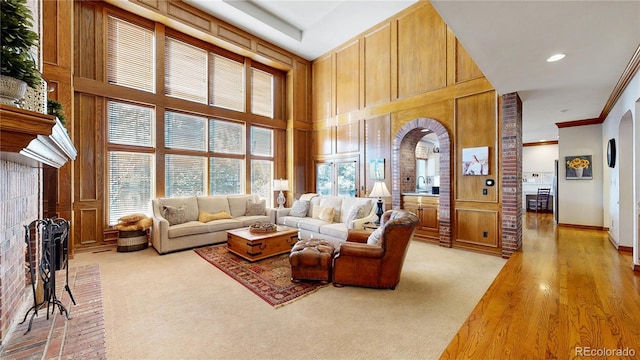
x,y
281,185
379,190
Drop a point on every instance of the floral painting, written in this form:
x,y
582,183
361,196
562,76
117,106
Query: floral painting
x,y
579,167
475,161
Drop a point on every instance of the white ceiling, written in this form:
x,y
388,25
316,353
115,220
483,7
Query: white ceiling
x,y
509,40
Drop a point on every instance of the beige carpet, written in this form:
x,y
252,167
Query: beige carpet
x,y
178,306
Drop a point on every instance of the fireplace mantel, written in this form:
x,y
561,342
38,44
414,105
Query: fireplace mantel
x,y
34,136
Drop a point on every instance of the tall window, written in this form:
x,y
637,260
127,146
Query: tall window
x,y
130,55
185,73
262,162
226,169
131,174
226,83
184,175
261,93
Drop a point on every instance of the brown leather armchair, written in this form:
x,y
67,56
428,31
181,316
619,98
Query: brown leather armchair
x,y
378,266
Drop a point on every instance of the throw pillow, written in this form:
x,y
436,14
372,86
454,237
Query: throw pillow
x,y
132,218
206,217
255,208
174,215
299,208
355,213
324,213
376,237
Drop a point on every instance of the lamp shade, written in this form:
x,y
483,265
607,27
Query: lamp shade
x,y
379,190
281,185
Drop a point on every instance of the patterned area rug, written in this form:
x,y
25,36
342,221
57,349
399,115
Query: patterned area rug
x,y
270,278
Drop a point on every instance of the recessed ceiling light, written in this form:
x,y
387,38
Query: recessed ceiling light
x,y
564,110
542,140
556,57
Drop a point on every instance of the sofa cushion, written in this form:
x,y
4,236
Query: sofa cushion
x,y
132,218
224,224
311,224
334,202
324,213
249,220
290,221
206,217
175,215
238,205
255,208
356,212
376,237
213,204
188,228
336,230
190,203
299,208
349,203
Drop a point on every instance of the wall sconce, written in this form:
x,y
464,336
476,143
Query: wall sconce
x,y
281,185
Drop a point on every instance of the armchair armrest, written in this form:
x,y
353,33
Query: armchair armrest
x,y
272,214
361,250
358,236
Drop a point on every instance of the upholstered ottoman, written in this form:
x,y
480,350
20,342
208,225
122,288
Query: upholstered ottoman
x,y
311,260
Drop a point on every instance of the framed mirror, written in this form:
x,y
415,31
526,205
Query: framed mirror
x,y
611,153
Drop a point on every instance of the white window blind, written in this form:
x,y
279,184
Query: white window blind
x,y
261,141
184,175
185,71
131,184
262,178
183,131
261,93
226,176
226,83
226,137
130,55
130,124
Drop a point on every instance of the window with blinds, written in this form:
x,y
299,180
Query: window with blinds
x,y
261,141
226,83
261,178
186,69
185,175
130,55
183,131
226,137
129,124
261,93
226,176
131,184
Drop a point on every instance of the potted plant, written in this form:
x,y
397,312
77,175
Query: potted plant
x,y
55,108
18,69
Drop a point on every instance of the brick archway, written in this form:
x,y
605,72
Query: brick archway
x,y
403,168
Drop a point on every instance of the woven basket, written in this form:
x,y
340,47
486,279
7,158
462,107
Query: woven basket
x,y
133,240
261,228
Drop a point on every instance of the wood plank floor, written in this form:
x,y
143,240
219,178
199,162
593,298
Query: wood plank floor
x,y
567,294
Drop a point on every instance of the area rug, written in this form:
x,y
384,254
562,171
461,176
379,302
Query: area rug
x,y
270,278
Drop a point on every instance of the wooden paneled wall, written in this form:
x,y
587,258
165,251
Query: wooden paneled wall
x,y
408,67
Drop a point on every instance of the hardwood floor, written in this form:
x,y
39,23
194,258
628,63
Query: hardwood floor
x,y
567,294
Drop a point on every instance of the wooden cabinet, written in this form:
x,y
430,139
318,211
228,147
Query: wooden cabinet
x,y
426,208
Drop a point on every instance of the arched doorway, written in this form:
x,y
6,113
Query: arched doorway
x,y
403,168
626,204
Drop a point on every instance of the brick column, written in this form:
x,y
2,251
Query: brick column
x,y
511,127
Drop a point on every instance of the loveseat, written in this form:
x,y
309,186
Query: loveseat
x,y
186,222
327,217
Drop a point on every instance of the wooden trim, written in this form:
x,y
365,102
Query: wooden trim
x,y
629,72
540,143
636,268
628,249
583,122
576,226
19,126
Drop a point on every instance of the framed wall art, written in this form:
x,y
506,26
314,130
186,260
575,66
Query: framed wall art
x,y
376,169
579,167
475,161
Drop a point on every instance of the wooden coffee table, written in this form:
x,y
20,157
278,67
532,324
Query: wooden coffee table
x,y
253,247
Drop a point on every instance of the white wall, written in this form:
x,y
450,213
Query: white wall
x,y
581,201
624,179
537,159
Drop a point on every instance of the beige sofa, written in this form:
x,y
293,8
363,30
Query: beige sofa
x,y
335,230
193,233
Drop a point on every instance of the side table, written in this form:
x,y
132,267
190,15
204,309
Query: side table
x,y
370,226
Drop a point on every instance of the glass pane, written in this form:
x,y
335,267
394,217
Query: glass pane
x,y
130,55
226,137
184,175
261,179
131,185
226,176
261,93
261,141
184,131
324,178
226,83
130,124
185,71
347,179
